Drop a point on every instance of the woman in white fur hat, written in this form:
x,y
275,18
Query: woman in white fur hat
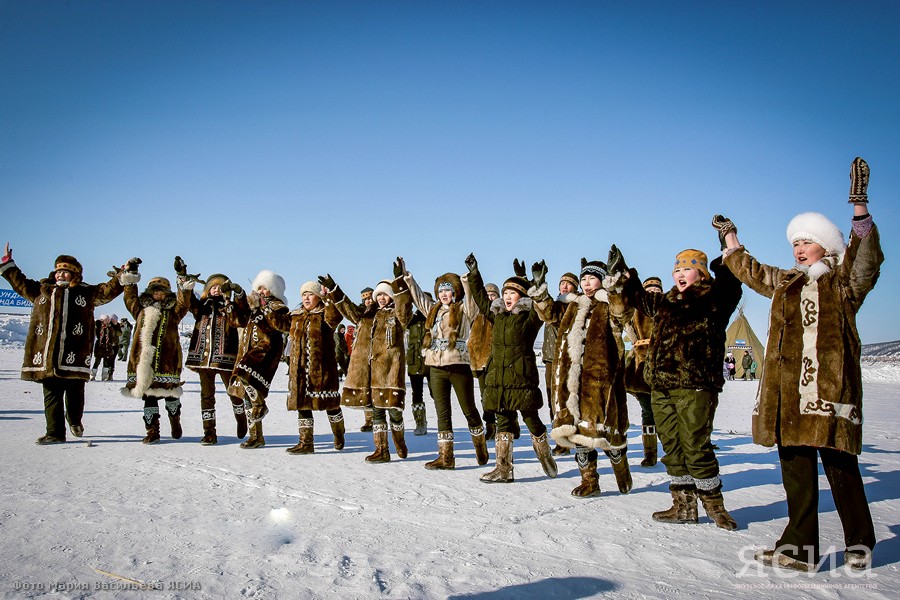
x,y
810,397
260,347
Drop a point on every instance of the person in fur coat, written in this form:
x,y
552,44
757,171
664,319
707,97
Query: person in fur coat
x,y
313,370
448,323
260,347
479,345
591,404
105,346
154,366
376,377
809,402
683,370
212,352
60,335
511,382
568,284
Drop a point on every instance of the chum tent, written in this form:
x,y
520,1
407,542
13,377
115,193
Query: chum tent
x,y
740,338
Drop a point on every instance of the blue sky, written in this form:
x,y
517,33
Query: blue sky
x,y
311,137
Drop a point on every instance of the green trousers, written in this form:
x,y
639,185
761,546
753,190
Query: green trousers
x,y
684,425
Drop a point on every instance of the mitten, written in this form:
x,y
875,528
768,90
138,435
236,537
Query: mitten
x,y
859,182
180,266
538,274
327,281
7,254
519,268
253,300
615,262
471,263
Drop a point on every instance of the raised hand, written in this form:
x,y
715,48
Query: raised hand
x,y
114,272
327,282
519,268
538,273
180,266
859,182
471,263
615,262
7,253
132,264
398,268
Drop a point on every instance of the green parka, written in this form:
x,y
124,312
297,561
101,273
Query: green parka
x,y
512,375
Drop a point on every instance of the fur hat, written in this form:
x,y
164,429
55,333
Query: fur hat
x,y
492,287
383,287
365,293
517,284
653,282
159,284
272,281
815,227
694,259
65,262
570,278
594,267
113,318
452,281
214,279
313,287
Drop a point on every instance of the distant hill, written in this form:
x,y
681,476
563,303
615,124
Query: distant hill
x,y
884,351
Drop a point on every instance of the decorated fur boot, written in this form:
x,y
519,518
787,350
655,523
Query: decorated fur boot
x,y
619,461
714,504
648,436
256,439
367,426
337,429
173,408
397,432
382,454
418,410
240,418
151,423
590,481
480,443
305,445
503,472
684,505
445,459
542,449
209,429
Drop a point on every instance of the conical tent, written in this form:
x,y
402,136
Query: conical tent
x,y
739,339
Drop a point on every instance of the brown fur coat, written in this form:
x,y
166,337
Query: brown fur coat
x,y
154,364
377,372
811,388
313,375
260,347
590,400
214,342
61,331
480,336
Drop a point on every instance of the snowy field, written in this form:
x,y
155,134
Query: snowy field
x,y
103,516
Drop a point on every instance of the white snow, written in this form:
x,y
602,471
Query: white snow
x,y
100,516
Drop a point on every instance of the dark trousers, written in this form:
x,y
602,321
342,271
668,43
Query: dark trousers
x,y
508,421
308,414
208,391
643,399
548,384
684,425
487,415
800,477
459,377
380,415
417,383
63,398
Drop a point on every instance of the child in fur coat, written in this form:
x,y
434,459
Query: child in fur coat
x,y
154,366
683,371
511,381
810,397
260,347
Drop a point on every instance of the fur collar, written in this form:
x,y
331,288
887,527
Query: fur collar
x,y
816,270
698,289
523,305
147,301
453,316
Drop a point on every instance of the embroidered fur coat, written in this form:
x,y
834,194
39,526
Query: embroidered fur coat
x,y
447,327
591,403
811,388
61,331
214,342
155,360
377,372
313,375
259,349
480,336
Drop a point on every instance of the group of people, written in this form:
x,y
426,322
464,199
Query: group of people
x,y
111,339
469,330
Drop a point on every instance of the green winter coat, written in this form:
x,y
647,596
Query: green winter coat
x,y
415,331
512,380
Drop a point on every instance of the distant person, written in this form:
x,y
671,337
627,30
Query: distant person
x,y
730,365
746,363
117,334
60,335
341,353
106,336
124,338
810,403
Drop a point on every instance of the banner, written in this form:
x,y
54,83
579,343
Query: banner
x,y
10,298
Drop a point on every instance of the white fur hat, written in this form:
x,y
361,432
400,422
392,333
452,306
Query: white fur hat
x,y
273,282
383,287
815,227
313,287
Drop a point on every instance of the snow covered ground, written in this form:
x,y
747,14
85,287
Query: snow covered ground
x,y
104,515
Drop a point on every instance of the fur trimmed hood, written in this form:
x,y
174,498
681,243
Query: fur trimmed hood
x,y
455,283
272,281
